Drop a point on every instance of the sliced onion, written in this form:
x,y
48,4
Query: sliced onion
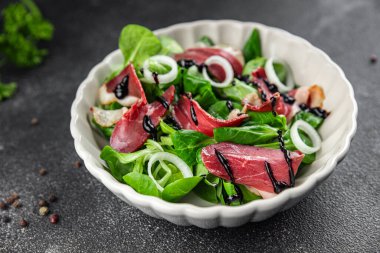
x,y
128,101
218,60
165,156
106,97
310,131
107,118
273,78
162,78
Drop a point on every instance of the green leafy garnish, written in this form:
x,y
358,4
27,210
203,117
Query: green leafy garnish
x,y
248,196
23,28
248,135
207,41
137,43
252,47
169,46
268,118
220,110
200,89
310,118
7,90
187,142
253,65
178,189
141,183
105,131
238,91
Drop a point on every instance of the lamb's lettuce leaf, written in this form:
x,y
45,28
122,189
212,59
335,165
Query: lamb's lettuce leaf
x,y
278,121
220,110
187,142
137,43
141,183
248,135
238,91
175,191
200,89
169,46
252,47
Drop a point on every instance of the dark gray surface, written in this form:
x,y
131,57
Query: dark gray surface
x,y
342,215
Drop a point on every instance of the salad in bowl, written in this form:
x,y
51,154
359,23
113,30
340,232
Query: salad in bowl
x,y
226,124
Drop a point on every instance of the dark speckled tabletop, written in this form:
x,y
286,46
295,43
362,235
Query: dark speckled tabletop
x,y
342,215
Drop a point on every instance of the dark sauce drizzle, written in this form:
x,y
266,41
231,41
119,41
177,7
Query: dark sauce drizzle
x,y
171,121
163,102
288,99
121,90
317,111
287,158
149,127
193,114
227,168
229,105
155,77
273,101
263,95
271,87
277,186
187,63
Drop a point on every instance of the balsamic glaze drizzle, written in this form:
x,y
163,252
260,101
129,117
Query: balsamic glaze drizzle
x,y
244,78
273,101
171,121
121,90
287,158
277,186
317,111
271,87
229,105
155,77
263,95
163,102
288,99
187,63
227,168
149,127
193,114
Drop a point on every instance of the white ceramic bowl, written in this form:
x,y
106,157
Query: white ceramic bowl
x,y
310,65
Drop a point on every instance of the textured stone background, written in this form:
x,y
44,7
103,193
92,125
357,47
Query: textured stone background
x,y
342,215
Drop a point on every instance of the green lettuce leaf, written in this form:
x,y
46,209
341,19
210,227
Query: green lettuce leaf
x,y
187,142
137,43
252,47
220,110
141,183
178,189
248,135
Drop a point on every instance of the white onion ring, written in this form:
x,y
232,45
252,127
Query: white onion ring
x,y
273,78
310,131
216,59
165,156
162,78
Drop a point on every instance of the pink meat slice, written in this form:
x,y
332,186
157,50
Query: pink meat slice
x,y
281,107
206,122
129,134
247,164
200,55
134,85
